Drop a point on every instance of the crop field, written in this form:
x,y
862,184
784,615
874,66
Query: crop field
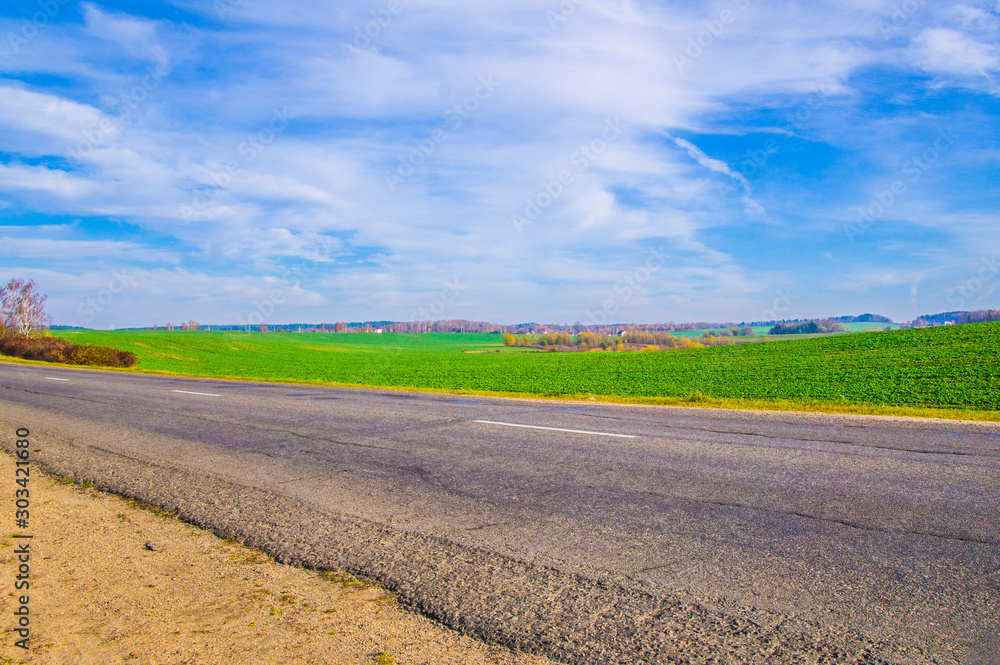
x,y
954,367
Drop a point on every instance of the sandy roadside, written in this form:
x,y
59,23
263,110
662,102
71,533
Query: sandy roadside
x,y
112,582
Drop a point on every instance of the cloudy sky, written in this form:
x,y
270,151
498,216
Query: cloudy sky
x,y
517,160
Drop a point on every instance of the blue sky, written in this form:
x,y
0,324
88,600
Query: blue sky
x,y
242,161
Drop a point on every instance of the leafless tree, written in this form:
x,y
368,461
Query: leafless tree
x,y
22,307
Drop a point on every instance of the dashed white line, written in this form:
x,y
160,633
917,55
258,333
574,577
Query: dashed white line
x,y
188,392
52,378
558,429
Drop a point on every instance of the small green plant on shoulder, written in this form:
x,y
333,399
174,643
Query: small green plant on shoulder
x,y
346,580
382,658
698,397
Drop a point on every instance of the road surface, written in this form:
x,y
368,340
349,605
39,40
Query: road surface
x,y
590,533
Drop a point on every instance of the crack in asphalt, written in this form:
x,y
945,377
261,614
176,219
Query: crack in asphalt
x,y
830,520
487,526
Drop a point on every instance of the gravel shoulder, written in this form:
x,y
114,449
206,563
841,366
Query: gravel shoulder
x,y
114,582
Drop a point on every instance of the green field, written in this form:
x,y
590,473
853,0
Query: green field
x,y
954,367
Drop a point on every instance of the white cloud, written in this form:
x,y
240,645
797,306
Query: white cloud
x,y
136,36
953,52
718,166
50,115
77,250
38,178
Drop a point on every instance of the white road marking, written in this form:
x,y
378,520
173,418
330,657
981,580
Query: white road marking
x,y
558,429
52,378
188,392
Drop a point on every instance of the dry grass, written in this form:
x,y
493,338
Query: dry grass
x,y
55,350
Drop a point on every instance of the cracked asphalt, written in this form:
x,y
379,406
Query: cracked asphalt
x,y
590,533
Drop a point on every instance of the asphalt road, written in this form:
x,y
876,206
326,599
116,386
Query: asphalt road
x,y
591,533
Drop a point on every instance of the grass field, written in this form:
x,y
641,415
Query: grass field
x,y
954,367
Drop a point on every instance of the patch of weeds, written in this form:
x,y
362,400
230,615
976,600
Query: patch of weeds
x,y
697,397
151,508
385,598
346,580
275,611
254,556
287,598
382,658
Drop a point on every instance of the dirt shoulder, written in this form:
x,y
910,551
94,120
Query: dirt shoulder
x,y
112,582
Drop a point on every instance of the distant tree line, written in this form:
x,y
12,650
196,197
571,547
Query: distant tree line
x,y
864,318
976,316
632,339
811,327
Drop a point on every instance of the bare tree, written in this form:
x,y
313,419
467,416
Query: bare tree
x,y
22,307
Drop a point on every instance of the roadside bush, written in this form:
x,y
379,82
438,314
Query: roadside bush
x,y
55,350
